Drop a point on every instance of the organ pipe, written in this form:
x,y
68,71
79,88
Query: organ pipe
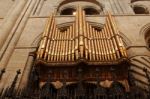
x,y
81,40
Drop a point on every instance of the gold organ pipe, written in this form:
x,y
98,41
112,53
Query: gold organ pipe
x,y
46,51
89,42
69,44
116,50
109,32
101,45
44,37
110,48
53,43
80,26
88,38
105,43
51,32
67,49
92,43
57,46
95,44
98,45
64,47
73,43
85,36
77,34
108,43
59,49
121,44
61,46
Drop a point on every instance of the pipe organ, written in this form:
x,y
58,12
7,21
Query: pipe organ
x,y
81,42
82,53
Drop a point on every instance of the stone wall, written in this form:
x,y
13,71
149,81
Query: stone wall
x,y
22,23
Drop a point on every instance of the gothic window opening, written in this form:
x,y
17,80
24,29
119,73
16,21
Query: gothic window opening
x,y
68,11
140,10
91,11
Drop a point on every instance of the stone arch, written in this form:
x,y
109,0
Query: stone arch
x,y
137,0
68,1
140,9
93,4
90,10
145,34
68,11
144,29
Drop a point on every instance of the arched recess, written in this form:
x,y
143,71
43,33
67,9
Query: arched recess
x,y
90,7
137,0
91,11
68,1
145,34
140,9
68,11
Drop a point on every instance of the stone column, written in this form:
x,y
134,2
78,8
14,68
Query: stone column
x,y
138,64
20,26
39,7
4,63
26,72
9,21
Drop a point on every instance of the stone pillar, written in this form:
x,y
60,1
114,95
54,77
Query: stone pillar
x,y
39,7
4,62
20,26
26,72
9,21
138,64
